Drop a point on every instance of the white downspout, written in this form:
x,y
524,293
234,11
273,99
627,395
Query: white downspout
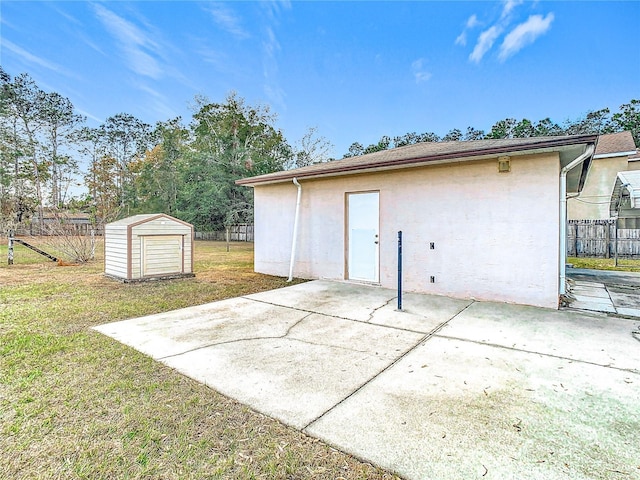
x,y
563,215
294,242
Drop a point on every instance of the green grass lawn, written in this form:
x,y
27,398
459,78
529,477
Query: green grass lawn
x,y
75,404
624,264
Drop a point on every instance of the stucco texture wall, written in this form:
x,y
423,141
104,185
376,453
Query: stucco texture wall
x,y
495,234
593,201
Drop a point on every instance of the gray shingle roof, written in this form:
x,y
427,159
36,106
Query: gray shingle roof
x,y
424,154
611,143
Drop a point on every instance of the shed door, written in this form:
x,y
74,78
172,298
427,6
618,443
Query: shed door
x,y
162,254
363,241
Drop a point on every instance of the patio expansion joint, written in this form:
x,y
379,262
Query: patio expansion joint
x,y
420,342
551,355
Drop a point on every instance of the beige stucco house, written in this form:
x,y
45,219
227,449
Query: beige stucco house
x,y
480,219
615,152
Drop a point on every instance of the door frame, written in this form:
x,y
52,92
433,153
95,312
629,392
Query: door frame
x,y
346,237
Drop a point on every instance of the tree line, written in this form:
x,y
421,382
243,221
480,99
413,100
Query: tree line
x,y
593,122
131,167
127,166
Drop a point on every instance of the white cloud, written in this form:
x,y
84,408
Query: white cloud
x,y
136,45
227,20
484,43
89,115
509,5
30,58
270,69
275,7
275,94
419,72
524,34
472,21
271,44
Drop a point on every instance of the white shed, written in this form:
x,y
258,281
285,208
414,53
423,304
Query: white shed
x,y
146,247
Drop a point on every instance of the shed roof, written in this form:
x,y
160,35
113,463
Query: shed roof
x,y
625,198
429,153
143,218
615,144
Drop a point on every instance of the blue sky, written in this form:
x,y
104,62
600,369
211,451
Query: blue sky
x,y
354,70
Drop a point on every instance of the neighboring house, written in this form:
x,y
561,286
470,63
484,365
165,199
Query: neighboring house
x,y
480,219
625,199
60,216
56,221
615,152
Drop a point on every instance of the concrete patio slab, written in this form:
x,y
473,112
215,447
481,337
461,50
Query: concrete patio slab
x,y
628,312
593,307
592,299
296,379
180,331
453,409
608,277
622,288
598,292
331,298
420,313
446,389
582,283
625,297
600,340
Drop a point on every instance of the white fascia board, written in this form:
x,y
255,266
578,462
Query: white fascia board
x,y
617,154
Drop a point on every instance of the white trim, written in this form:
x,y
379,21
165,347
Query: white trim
x,y
616,154
563,214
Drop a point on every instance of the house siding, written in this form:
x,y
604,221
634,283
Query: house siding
x,y
593,201
495,234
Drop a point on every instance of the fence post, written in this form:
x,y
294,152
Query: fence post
x,y
93,244
400,270
10,251
616,242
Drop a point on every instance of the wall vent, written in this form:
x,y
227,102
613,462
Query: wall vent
x,y
504,164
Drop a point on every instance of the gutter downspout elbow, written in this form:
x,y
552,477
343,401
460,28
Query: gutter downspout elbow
x,y
294,242
563,214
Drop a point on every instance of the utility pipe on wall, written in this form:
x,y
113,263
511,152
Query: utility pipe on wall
x,y
563,214
294,241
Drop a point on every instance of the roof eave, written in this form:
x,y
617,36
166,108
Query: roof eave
x,y
448,157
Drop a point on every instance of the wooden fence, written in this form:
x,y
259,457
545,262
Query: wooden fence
x,y
49,229
237,233
600,238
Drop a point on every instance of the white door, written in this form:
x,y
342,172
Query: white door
x,y
162,255
363,236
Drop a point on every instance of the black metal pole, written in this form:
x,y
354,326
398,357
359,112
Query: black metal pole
x,y
400,270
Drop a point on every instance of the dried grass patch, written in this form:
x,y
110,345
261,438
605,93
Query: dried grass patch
x,y
75,404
